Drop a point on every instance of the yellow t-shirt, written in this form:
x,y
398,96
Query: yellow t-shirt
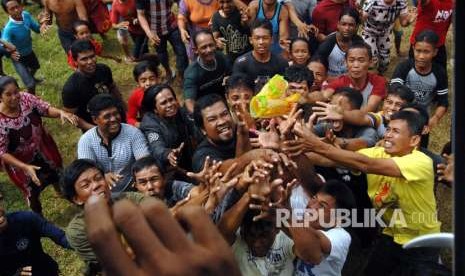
x,y
412,195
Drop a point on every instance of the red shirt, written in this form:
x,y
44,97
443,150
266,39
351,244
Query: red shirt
x,y
436,16
326,15
376,85
134,105
98,52
125,12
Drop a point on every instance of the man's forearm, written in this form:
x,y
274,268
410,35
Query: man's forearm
x,y
232,219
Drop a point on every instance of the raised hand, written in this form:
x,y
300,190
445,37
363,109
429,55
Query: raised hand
x,y
446,171
286,125
328,111
159,242
267,139
219,186
174,154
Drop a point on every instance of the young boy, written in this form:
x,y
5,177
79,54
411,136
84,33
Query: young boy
x,y
230,30
379,17
372,87
81,30
17,31
427,80
124,18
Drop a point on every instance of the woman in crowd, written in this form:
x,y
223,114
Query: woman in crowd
x,y
167,128
29,154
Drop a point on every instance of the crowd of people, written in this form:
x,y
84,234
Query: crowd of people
x,y
200,186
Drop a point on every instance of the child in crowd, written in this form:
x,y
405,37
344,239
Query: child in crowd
x,y
81,30
17,31
320,73
427,80
300,52
146,74
124,19
379,17
230,29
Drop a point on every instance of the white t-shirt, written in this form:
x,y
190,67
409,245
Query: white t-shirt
x,y
278,261
332,264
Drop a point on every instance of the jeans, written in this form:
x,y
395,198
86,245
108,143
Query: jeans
x,y
141,46
26,67
66,39
174,37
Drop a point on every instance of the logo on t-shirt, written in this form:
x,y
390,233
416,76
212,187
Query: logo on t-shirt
x,y
102,88
22,244
442,16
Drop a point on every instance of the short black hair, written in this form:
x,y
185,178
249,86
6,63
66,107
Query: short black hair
x,y
420,110
401,91
415,126
6,80
149,63
145,162
150,96
299,73
202,103
201,32
428,36
261,23
239,80
353,95
78,23
301,39
71,174
79,46
342,194
352,13
261,224
360,45
320,59
101,102
4,2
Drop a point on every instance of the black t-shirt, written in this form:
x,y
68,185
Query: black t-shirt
x,y
80,88
236,35
20,244
199,82
428,88
216,152
334,56
258,71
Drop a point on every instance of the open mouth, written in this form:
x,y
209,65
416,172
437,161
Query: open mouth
x,y
388,144
224,130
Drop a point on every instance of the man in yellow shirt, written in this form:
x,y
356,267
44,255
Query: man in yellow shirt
x,y
400,180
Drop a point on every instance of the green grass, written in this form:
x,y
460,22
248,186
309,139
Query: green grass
x,y
56,71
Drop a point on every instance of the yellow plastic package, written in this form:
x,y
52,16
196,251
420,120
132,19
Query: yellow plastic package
x,y
271,101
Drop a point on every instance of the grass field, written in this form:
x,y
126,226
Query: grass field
x,y
56,71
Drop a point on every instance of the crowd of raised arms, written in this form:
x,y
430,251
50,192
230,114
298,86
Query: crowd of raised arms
x,y
199,186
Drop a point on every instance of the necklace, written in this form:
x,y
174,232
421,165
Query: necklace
x,y
207,67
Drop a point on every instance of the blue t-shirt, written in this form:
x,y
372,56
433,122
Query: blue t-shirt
x,y
19,33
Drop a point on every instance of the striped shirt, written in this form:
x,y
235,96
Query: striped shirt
x,y
118,157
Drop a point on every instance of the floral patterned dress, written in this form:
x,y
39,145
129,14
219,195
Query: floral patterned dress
x,y
26,139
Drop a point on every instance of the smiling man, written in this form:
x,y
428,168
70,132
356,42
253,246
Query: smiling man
x,y
212,116
90,78
82,179
111,144
206,75
399,178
